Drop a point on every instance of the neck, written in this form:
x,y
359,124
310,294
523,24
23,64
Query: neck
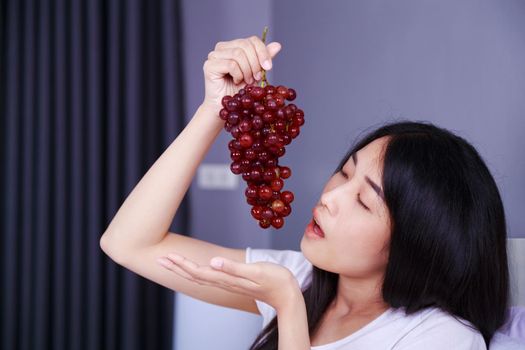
x,y
358,297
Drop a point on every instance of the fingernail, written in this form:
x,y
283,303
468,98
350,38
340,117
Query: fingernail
x,y
267,64
164,262
258,75
216,263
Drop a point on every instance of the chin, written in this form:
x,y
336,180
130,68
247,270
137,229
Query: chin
x,y
306,252
301,244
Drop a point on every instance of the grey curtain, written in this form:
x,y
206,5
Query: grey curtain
x,y
90,96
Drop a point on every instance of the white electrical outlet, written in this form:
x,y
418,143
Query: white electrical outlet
x,y
216,177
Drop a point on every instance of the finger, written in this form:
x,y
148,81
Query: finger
x,y
186,268
273,49
208,276
223,67
248,271
265,53
241,57
168,264
247,47
253,59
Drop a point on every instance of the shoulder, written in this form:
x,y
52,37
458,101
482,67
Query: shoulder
x,y
434,328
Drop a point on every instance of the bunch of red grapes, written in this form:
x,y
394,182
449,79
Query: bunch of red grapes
x,y
261,124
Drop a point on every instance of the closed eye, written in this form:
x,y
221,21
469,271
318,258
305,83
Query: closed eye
x,y
345,175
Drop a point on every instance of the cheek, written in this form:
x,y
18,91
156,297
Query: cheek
x,y
361,250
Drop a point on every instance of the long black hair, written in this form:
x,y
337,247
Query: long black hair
x,y
448,232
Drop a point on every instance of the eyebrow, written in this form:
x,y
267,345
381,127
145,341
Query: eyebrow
x,y
375,186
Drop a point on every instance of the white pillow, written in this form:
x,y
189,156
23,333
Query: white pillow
x,y
512,334
514,327
501,341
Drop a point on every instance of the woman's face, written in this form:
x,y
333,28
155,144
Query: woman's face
x,y
355,242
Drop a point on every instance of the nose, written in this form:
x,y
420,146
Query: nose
x,y
332,196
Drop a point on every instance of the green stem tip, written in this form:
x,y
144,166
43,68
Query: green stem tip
x,y
263,80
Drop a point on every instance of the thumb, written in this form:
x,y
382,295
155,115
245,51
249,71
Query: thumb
x,y
273,48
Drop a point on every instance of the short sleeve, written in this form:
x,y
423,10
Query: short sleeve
x,y
295,261
442,331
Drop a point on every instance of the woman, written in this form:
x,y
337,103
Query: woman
x,y
406,249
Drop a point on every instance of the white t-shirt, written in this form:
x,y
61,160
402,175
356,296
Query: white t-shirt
x,y
429,329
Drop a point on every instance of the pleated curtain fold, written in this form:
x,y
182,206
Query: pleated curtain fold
x,y
90,96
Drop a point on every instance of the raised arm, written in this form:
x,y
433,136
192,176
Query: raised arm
x,y
138,233
146,214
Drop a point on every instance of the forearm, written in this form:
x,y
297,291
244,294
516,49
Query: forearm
x,y
293,326
146,214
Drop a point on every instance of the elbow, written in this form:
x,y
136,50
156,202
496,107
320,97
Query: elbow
x,y
104,244
109,247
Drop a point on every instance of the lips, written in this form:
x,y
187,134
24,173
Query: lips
x,y
317,229
316,216
312,232
315,224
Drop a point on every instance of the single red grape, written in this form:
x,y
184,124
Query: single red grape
x,y
236,155
287,197
247,175
251,191
256,175
294,131
286,210
291,95
257,122
284,172
279,100
269,89
247,101
268,117
271,105
232,105
264,223
280,126
223,114
250,154
256,212
257,93
267,213
245,125
282,90
246,140
277,222
278,206
268,175
265,192
277,184
235,168
225,100
236,133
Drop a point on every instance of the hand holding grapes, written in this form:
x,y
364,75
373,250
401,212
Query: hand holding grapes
x,y
261,123
232,65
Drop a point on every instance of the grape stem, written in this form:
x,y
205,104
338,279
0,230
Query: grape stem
x,y
264,82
